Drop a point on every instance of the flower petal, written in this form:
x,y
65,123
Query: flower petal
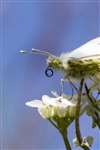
x,y
67,102
46,99
49,100
34,103
46,111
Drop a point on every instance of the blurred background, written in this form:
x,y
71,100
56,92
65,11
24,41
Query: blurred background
x,y
55,26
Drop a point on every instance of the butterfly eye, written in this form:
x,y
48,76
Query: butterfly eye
x,y
49,72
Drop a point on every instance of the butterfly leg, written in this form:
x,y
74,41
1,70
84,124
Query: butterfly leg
x,y
73,86
62,86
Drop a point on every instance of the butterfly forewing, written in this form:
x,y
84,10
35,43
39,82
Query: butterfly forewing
x,y
91,48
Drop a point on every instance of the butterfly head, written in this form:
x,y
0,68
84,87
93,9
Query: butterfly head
x,y
53,62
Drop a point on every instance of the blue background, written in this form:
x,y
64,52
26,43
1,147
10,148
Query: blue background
x,y
56,26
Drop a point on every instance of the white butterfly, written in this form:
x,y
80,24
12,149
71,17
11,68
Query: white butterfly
x,y
83,62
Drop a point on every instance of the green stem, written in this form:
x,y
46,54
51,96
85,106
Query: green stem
x,y
94,104
65,139
91,99
60,125
77,124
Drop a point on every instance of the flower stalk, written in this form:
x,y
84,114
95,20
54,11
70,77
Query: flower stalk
x,y
77,124
65,139
62,127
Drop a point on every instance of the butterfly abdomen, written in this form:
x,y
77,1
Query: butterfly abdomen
x,y
80,68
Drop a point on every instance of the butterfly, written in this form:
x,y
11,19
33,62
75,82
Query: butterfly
x,y
83,62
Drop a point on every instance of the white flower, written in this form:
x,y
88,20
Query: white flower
x,y
49,107
88,141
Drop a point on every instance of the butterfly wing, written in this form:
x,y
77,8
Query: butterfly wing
x,y
89,49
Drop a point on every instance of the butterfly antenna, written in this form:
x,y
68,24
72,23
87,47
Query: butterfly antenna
x,y
37,51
